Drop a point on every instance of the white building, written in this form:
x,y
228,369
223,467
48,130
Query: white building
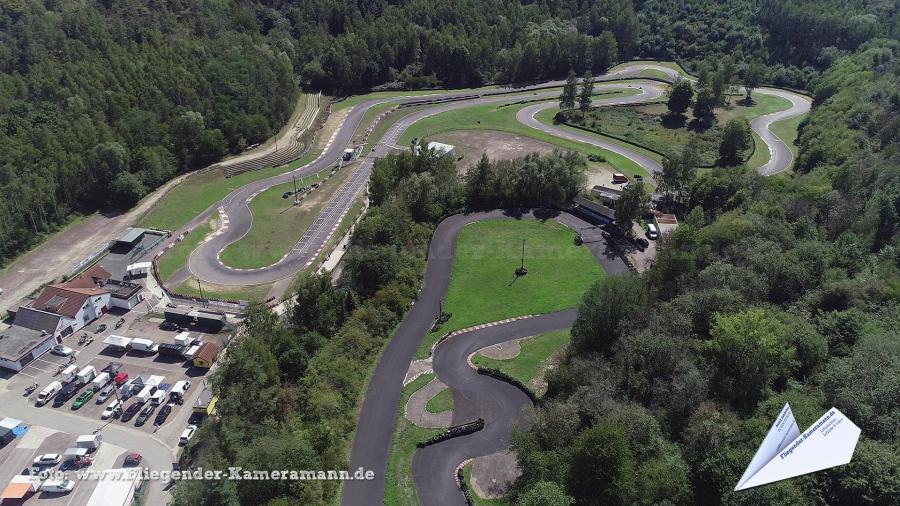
x,y
20,345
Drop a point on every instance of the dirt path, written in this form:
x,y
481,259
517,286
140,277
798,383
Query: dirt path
x,y
59,254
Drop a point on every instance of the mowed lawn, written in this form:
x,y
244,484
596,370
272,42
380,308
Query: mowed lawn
x,y
503,119
483,287
534,353
441,402
197,192
178,255
278,224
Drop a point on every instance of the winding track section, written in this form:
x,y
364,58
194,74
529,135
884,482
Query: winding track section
x,y
498,403
204,262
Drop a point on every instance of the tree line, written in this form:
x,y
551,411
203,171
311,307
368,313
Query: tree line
x,y
772,290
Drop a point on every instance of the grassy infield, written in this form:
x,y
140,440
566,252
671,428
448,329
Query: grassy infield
x,y
482,290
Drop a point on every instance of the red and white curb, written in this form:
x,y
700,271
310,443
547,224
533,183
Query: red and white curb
x,y
478,327
460,466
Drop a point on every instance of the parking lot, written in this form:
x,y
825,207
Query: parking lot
x,y
134,363
15,458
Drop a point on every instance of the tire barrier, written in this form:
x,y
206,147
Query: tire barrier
x,y
497,374
452,432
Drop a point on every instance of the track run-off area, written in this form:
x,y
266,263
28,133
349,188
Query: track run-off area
x,y
236,219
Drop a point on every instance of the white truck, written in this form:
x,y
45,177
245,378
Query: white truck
x,y
69,373
86,374
48,392
89,441
144,395
145,345
100,381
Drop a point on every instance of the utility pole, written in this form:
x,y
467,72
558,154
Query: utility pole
x,y
275,138
200,286
296,197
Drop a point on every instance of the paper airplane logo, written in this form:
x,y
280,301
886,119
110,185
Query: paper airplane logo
x,y
786,452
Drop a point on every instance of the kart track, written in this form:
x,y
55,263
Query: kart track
x,y
499,403
204,262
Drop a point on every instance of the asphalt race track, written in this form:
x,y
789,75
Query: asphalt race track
x,y
204,262
377,417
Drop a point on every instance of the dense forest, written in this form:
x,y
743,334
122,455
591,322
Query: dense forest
x,y
102,101
772,290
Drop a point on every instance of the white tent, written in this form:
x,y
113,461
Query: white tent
x,y
116,487
120,341
9,423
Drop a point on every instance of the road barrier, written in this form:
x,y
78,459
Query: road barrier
x,y
452,432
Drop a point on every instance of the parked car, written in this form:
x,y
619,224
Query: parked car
x,y
66,393
163,414
63,351
120,378
652,233
642,243
112,368
133,459
100,328
169,326
105,394
145,415
57,486
83,398
47,459
187,434
130,411
111,409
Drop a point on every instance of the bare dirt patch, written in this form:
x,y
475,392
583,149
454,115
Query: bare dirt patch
x,y
498,145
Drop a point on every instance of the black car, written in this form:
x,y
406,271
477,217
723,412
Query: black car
x,y
66,393
112,368
642,243
162,415
145,415
286,194
131,411
169,326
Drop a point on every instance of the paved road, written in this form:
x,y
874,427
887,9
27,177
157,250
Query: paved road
x,y
648,92
204,261
780,155
376,421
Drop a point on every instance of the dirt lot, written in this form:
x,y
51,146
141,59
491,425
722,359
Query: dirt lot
x,y
498,145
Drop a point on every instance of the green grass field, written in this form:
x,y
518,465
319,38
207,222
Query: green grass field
x,y
483,287
477,499
399,489
196,193
177,257
531,358
441,402
252,293
278,224
490,117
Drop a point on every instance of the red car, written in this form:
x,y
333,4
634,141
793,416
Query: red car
x,y
133,459
120,378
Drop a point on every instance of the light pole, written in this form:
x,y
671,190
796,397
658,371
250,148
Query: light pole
x,y
296,197
521,271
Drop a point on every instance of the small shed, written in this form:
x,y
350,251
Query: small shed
x,y
206,402
131,236
206,355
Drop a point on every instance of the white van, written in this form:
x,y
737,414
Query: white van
x,y
57,486
145,345
652,233
146,392
69,373
89,441
47,393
